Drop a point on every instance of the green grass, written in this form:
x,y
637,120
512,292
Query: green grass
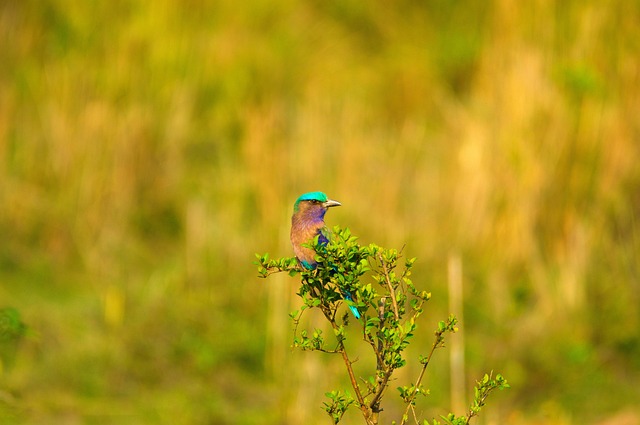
x,y
147,151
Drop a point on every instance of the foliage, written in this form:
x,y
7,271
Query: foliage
x,y
390,305
11,326
147,149
12,329
481,391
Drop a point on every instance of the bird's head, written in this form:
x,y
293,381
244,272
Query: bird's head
x,y
313,205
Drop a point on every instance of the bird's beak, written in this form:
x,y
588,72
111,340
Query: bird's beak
x,y
331,203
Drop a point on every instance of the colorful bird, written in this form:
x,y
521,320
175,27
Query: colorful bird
x,y
307,222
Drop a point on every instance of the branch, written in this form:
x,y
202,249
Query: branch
x,y
386,372
376,351
405,417
437,343
390,286
482,391
352,377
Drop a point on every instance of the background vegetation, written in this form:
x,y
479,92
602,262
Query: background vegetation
x,y
149,149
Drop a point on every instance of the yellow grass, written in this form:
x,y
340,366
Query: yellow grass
x,y
147,151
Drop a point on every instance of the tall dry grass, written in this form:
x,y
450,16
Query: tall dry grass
x,y
148,150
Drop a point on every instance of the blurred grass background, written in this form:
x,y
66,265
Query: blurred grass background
x,y
149,149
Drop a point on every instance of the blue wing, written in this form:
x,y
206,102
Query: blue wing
x,y
323,236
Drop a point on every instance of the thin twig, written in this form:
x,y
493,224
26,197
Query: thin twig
x,y
380,367
372,343
391,290
381,305
324,350
382,386
352,378
415,417
436,344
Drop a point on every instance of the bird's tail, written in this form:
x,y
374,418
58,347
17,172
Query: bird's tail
x,y
347,296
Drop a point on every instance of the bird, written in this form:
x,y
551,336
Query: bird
x,y
307,222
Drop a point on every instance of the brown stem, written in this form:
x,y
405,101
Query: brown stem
x,y
352,377
436,344
390,286
380,369
382,386
381,305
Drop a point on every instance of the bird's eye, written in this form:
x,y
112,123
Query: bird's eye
x,y
314,201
